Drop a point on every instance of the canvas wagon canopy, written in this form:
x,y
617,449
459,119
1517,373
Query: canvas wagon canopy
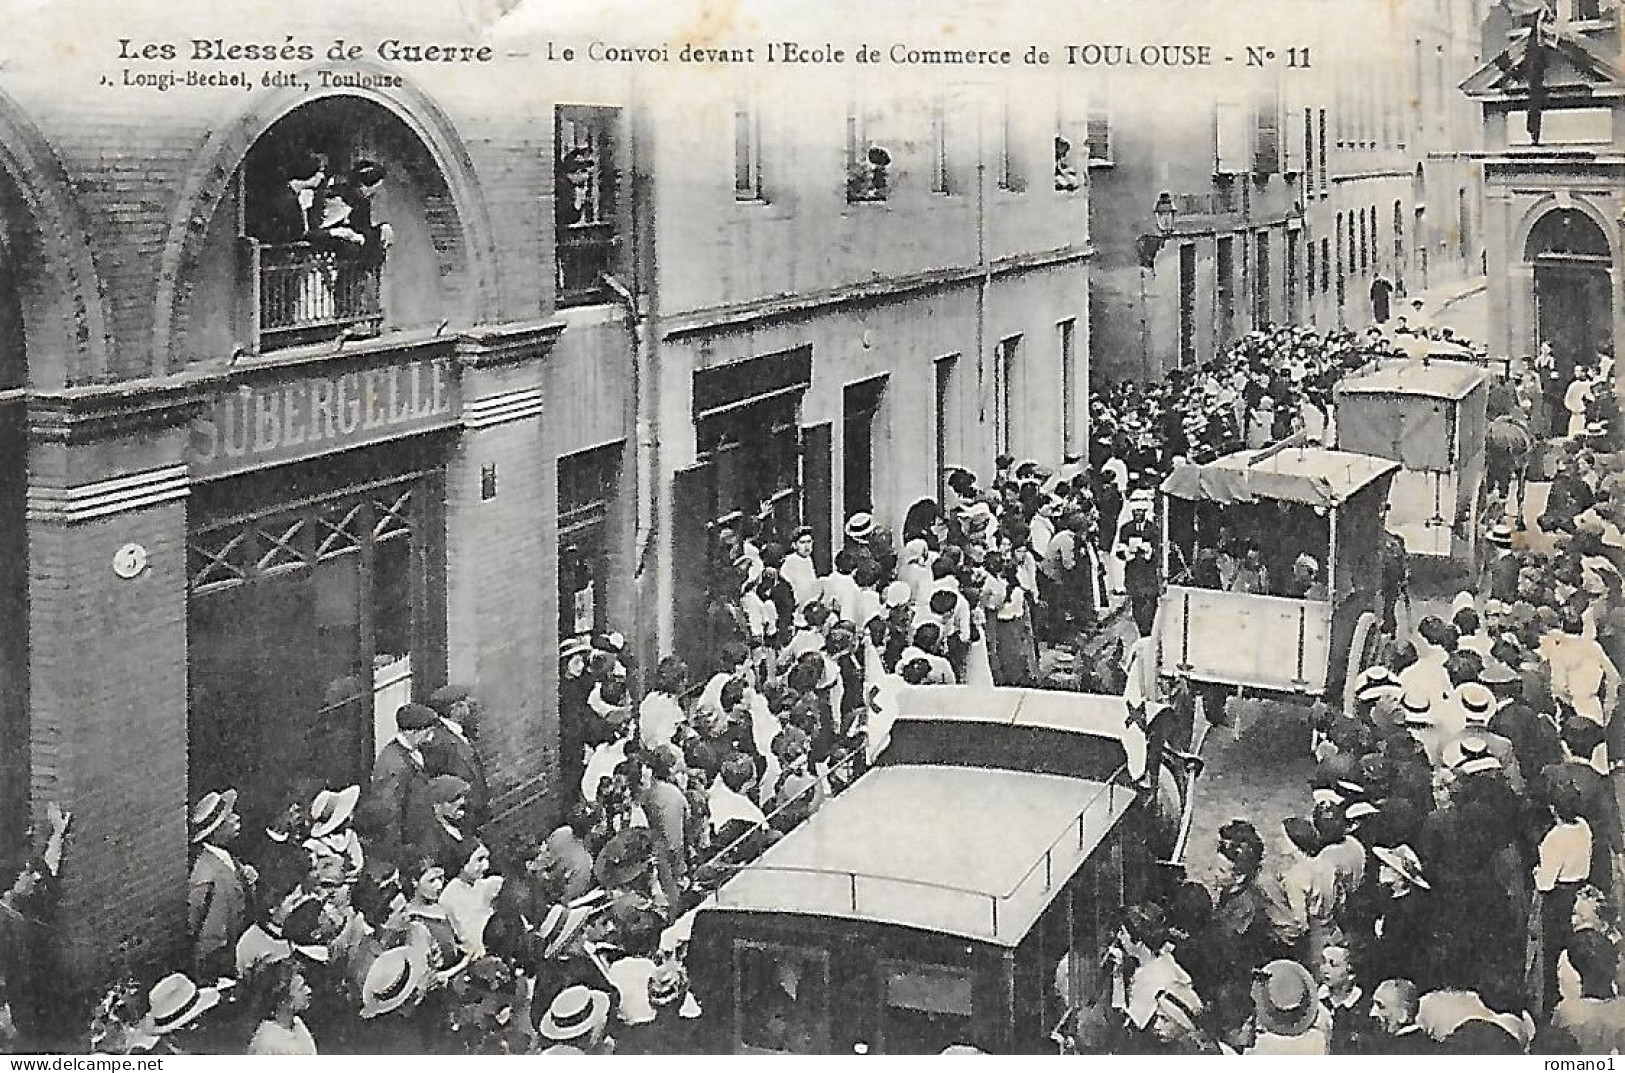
x,y
1312,476
1426,416
1436,379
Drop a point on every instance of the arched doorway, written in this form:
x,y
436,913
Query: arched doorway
x,y
1573,287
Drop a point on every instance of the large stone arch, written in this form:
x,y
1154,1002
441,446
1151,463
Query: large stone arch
x,y
209,183
66,337
1586,314
1538,211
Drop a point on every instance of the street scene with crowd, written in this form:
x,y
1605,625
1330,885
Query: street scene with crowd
x,y
1447,880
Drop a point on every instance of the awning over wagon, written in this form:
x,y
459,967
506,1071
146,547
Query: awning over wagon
x,y
1312,476
1425,416
1435,379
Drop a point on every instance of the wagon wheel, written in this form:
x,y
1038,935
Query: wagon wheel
x,y
1364,647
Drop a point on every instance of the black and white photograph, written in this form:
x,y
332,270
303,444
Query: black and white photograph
x,y
817,527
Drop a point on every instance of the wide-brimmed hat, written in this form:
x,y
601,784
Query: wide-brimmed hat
x,y
1372,692
1284,996
175,1002
860,526
561,924
211,811
1403,860
897,594
573,647
577,1012
332,809
624,858
392,980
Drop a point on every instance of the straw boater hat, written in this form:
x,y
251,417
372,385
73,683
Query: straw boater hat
x,y
175,1002
1500,534
1284,995
210,812
860,526
1475,757
332,809
393,979
578,1012
1414,705
559,926
1478,701
1359,810
1402,859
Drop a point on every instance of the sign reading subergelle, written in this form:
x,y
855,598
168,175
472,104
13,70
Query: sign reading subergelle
x,y
257,425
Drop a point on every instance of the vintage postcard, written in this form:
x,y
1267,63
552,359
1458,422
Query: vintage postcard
x,y
740,526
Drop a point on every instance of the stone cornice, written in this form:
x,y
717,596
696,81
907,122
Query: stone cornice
x,y
107,411
784,307
507,344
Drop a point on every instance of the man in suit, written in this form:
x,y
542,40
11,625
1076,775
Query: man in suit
x,y
397,799
219,888
450,750
444,837
1138,550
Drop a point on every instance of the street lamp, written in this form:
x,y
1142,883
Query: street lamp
x,y
1147,246
1150,244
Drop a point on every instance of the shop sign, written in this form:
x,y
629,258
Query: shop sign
x,y
262,424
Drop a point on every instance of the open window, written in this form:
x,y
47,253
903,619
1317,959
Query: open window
x,y
586,227
782,998
923,1008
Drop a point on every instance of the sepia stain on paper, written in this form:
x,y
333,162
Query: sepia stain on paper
x,y
716,24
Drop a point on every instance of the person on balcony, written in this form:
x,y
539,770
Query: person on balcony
x,y
347,215
576,205
289,211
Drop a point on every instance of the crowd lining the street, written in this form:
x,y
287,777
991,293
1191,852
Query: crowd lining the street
x,y
1452,883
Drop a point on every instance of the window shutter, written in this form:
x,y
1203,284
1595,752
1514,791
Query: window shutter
x,y
1230,139
1266,139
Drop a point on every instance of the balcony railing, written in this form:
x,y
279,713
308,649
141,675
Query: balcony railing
x,y
1209,203
306,295
584,253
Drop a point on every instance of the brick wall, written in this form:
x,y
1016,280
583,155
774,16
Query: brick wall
x,y
499,589
109,728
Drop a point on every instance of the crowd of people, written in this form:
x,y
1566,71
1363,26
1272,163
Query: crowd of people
x,y
1452,882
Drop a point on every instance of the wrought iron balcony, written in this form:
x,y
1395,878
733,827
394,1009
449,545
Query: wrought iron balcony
x,y
306,295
